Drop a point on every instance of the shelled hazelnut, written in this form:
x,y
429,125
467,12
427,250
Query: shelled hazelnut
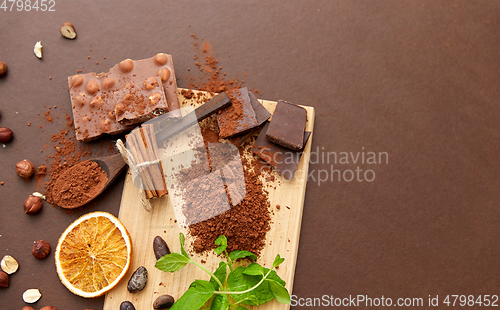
x,y
27,308
9,265
68,31
25,169
48,308
32,205
40,249
31,295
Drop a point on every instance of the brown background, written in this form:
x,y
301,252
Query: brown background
x,y
416,79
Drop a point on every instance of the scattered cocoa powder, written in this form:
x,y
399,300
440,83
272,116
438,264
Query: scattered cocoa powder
x,y
41,172
246,224
48,117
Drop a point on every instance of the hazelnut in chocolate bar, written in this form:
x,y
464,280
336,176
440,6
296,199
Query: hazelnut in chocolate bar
x,y
131,92
287,125
239,117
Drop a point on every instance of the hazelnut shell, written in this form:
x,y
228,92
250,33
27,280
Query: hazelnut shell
x,y
40,249
5,134
32,205
25,169
4,279
3,68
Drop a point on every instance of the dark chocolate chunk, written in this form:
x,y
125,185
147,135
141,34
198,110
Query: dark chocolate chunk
x,y
261,113
239,117
281,158
288,125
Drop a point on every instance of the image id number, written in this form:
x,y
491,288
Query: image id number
x,y
28,5
471,300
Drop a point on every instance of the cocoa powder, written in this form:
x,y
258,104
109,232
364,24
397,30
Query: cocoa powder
x,y
78,185
246,224
67,154
41,172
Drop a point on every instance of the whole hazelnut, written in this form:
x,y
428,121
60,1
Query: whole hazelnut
x,y
48,308
4,279
40,249
27,308
32,205
5,134
25,169
3,68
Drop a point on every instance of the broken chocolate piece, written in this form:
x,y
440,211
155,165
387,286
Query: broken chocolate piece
x,y
261,113
287,125
239,117
131,92
281,158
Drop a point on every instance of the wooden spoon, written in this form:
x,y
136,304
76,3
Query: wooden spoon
x,y
111,165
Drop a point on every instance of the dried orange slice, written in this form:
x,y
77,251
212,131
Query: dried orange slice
x,y
93,254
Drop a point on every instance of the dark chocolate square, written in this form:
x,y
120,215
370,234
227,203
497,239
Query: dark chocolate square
x,y
288,125
281,158
239,117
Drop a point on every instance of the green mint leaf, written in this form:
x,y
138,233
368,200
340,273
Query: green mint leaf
x,y
220,273
222,240
277,261
252,298
254,269
240,308
222,243
219,250
182,240
220,302
234,255
238,281
279,292
203,286
274,276
195,297
172,262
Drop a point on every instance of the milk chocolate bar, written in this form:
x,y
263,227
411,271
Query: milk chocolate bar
x,y
129,93
287,125
239,117
281,158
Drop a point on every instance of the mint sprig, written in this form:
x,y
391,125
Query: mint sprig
x,y
252,285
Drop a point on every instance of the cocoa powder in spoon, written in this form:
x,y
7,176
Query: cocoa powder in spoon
x,y
79,184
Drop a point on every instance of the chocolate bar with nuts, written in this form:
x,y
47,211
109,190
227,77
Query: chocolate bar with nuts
x,y
131,92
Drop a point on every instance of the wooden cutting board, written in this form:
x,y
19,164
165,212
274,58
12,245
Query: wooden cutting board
x,y
143,226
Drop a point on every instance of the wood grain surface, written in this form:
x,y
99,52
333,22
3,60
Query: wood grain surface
x,y
143,226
